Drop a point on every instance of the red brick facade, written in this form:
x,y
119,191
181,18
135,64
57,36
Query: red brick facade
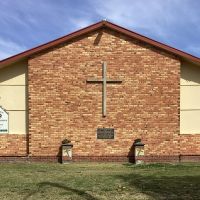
x,y
13,145
62,105
145,105
190,144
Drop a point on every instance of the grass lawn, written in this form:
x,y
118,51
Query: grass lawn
x,y
93,181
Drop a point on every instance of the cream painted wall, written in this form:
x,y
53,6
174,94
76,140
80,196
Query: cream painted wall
x,y
14,74
190,99
190,121
13,97
17,122
13,93
190,74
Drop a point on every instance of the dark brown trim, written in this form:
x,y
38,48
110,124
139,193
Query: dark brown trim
x,y
50,44
94,27
153,42
146,159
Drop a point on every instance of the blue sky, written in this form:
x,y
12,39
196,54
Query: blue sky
x,y
25,24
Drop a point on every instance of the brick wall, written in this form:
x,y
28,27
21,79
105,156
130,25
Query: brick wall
x,y
190,144
13,145
145,105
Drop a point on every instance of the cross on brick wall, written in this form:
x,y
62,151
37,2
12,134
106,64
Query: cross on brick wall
x,y
104,82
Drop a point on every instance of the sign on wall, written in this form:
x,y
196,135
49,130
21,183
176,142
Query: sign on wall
x,y
3,121
105,133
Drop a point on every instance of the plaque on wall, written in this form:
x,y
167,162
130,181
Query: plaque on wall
x,y
105,133
3,121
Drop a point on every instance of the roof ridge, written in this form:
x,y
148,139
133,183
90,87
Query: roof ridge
x,y
93,27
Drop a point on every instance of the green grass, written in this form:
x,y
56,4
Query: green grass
x,y
95,181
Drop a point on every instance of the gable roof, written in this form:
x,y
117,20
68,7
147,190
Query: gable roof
x,y
93,27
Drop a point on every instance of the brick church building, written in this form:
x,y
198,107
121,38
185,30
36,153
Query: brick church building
x,y
102,76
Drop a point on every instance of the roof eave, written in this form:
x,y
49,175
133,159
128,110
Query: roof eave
x,y
26,54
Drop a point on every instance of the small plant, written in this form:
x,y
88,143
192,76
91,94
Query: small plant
x,y
66,141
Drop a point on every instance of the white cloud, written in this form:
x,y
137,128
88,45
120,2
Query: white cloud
x,y
154,17
80,23
174,22
9,48
33,23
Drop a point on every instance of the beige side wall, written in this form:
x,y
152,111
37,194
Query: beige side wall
x,y
13,92
190,99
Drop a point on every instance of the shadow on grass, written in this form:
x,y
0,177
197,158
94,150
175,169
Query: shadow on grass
x,y
42,185
165,187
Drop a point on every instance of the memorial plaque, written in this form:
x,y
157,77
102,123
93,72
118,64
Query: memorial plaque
x,y
105,133
3,121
